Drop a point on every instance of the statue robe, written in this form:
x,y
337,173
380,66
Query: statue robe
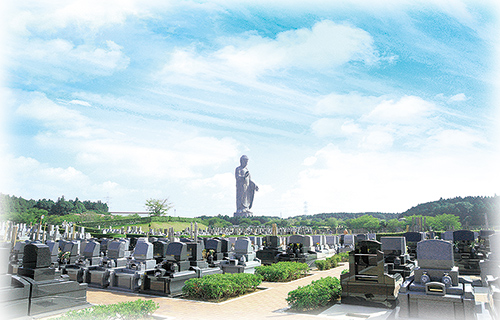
x,y
245,189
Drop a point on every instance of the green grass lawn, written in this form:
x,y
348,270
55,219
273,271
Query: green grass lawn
x,y
178,226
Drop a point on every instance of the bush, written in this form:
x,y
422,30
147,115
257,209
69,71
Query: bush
x,y
221,286
344,256
138,309
319,293
322,264
282,271
332,262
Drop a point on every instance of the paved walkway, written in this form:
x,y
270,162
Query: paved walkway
x,y
263,304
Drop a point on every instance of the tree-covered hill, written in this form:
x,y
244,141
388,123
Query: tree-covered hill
x,y
348,215
471,210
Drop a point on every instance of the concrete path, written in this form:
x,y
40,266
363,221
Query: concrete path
x,y
263,304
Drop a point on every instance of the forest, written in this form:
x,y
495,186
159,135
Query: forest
x,y
444,214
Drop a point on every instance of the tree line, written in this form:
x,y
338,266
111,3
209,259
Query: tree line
x,y
19,210
444,214
472,211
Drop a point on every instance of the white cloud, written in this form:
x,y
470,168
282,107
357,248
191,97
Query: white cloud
x,y
62,59
326,45
408,110
154,161
80,102
51,15
351,104
377,140
220,186
27,175
309,161
454,138
327,127
458,97
357,181
44,110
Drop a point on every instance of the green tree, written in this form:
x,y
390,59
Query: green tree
x,y
444,222
32,215
245,222
394,225
332,223
366,222
61,207
217,222
78,206
158,207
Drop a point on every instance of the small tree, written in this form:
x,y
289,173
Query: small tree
x,y
158,207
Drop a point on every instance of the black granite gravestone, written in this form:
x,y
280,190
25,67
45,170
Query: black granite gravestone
x,y
396,257
169,276
49,291
367,282
269,253
436,289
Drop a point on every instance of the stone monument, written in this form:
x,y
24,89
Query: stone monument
x,y
435,289
245,189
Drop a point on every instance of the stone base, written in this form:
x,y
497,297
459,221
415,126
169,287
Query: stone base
x,y
243,214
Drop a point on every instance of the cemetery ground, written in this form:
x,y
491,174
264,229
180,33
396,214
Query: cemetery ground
x,y
261,304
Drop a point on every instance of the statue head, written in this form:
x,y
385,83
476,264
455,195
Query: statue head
x,y
243,160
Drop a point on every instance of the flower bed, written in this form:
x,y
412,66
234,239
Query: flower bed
x,y
282,271
220,286
318,294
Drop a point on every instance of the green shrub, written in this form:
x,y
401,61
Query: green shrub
x,y
344,271
344,256
282,271
138,309
318,294
322,264
221,286
331,262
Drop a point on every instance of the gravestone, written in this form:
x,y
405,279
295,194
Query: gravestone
x,y
436,288
243,259
367,282
412,238
54,252
49,291
271,248
299,249
16,257
467,256
396,257
130,278
168,277
100,275
159,250
214,249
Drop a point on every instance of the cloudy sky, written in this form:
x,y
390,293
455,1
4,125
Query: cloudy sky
x,y
341,106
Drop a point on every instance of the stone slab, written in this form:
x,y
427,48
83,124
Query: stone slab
x,y
346,311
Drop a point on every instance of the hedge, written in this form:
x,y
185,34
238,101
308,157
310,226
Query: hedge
x,y
319,293
221,286
138,309
332,262
282,271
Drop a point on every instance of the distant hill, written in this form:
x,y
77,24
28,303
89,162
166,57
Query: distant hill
x,y
348,215
471,210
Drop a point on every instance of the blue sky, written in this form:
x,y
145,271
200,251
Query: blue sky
x,y
341,106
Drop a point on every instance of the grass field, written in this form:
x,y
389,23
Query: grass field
x,y
178,226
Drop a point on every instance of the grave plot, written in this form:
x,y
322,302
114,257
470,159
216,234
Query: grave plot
x,y
368,282
436,287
